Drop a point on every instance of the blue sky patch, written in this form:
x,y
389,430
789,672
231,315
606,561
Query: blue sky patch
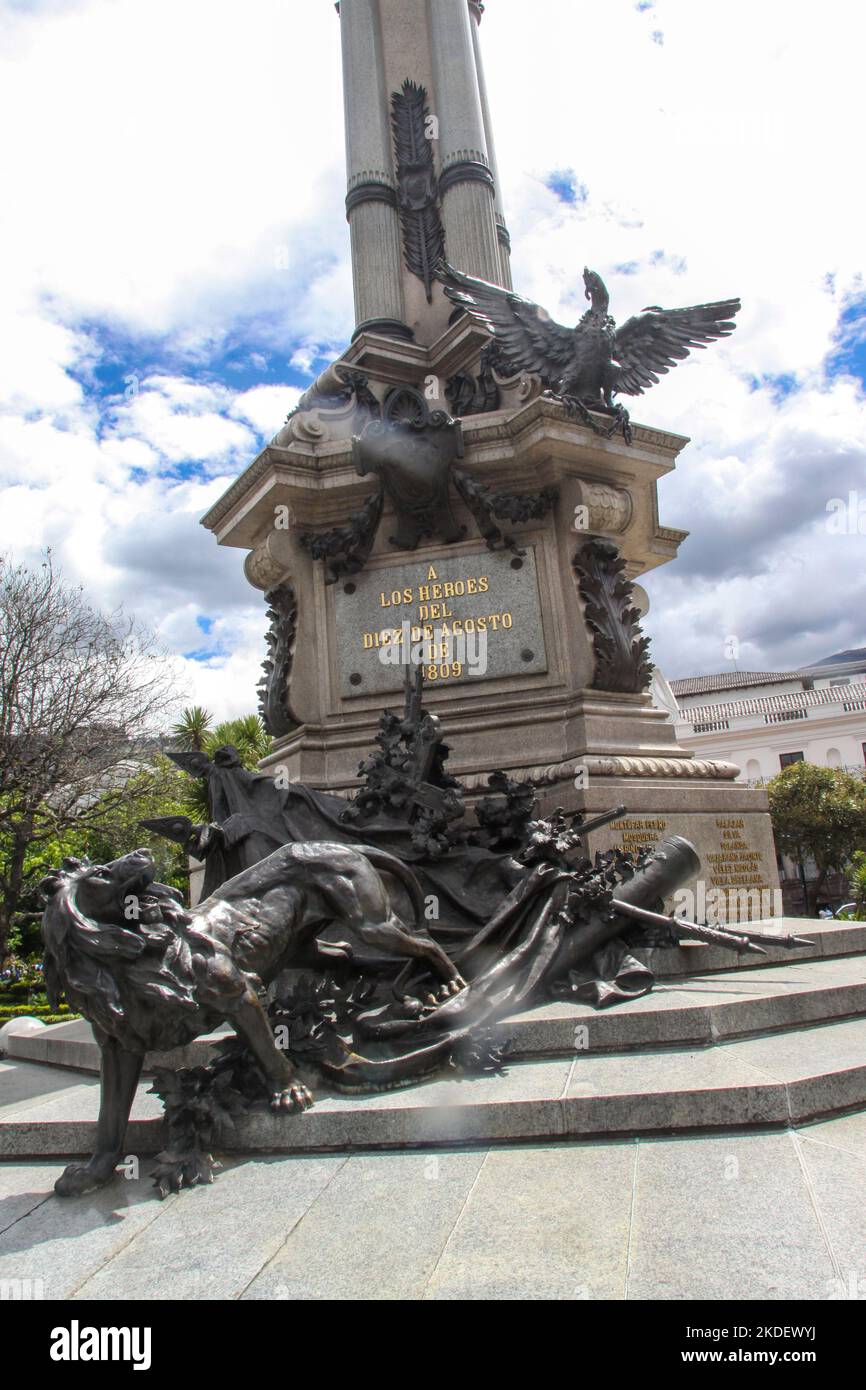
x,y
779,385
206,654
566,186
118,363
849,357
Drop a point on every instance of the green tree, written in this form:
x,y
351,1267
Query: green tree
x,y
818,813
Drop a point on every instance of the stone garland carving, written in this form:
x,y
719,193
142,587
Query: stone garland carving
x,y
552,774
273,688
417,196
621,650
346,549
555,774
485,506
261,569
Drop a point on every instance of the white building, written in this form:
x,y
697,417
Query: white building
x,y
764,720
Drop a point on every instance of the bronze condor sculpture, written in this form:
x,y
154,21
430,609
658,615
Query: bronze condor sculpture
x,y
586,366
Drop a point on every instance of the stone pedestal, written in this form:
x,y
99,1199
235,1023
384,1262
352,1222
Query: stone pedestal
x,y
519,692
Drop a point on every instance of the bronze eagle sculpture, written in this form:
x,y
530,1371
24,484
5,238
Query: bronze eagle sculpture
x,y
587,365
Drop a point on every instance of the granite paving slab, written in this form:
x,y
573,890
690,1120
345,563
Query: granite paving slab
x,y
551,1222
216,1239
837,1179
725,1217
21,1084
396,1212
23,1186
60,1242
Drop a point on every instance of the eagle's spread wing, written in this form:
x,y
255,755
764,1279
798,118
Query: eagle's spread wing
x,y
656,340
527,336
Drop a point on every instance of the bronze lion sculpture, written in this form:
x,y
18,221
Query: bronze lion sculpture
x,y
150,975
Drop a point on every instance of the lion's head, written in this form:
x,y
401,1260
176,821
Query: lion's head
x,y
114,944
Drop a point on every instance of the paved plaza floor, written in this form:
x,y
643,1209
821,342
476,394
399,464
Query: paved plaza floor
x,y
758,1215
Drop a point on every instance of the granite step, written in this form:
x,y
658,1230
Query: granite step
x,y
695,1012
780,1079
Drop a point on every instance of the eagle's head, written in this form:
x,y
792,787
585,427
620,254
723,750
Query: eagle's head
x,y
595,290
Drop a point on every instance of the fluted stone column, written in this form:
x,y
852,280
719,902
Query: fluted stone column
x,y
501,228
371,199
467,182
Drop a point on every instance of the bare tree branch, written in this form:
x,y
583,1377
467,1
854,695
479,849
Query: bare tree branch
x,y
83,698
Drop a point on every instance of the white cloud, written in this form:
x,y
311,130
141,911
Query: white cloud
x,y
183,421
266,407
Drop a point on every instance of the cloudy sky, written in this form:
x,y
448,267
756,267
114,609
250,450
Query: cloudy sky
x,y
174,269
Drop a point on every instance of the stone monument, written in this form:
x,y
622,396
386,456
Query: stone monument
x,y
455,513
460,486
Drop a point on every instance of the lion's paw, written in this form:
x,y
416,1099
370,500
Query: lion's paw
x,y
452,987
80,1178
293,1098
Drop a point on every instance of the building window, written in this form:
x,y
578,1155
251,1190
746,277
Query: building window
x,y
834,757
846,680
785,759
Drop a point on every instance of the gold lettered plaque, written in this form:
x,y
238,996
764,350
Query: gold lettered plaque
x,y
464,618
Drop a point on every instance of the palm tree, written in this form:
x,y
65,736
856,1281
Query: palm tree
x,y
193,729
247,734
